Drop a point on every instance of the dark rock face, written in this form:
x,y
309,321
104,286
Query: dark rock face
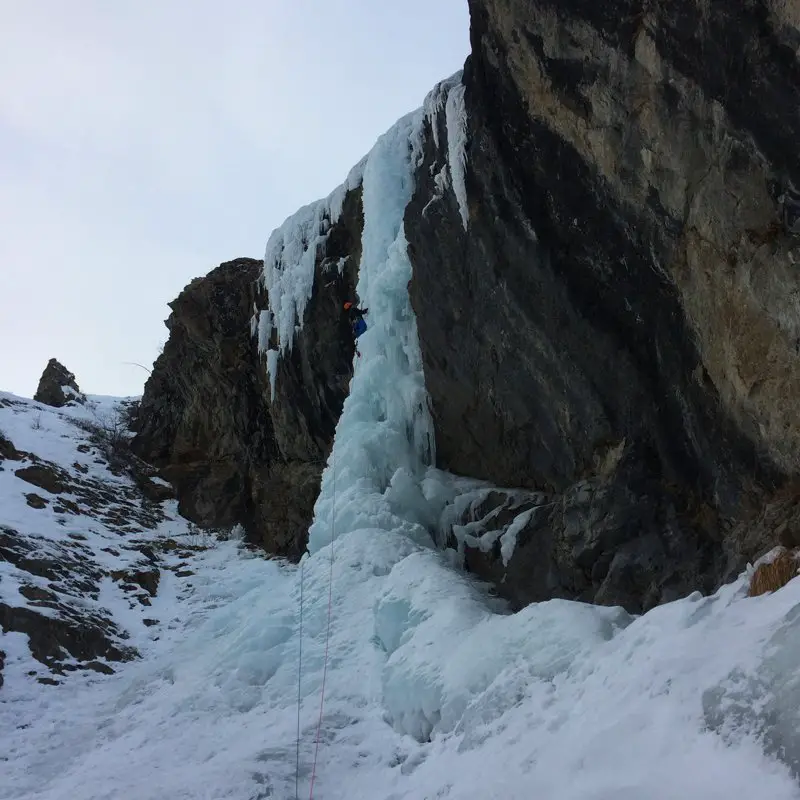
x,y
201,419
35,501
147,579
616,538
623,286
57,386
45,476
207,419
8,451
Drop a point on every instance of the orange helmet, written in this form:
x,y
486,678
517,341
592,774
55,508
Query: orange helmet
x,y
347,306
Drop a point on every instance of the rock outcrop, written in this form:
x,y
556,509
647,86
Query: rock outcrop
x,y
774,573
201,419
235,454
57,386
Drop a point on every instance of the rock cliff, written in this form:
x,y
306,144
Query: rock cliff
x,y
606,288
235,454
617,322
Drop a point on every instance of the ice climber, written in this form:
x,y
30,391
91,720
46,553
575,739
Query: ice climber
x,y
357,324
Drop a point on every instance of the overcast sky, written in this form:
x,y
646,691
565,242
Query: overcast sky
x,y
143,142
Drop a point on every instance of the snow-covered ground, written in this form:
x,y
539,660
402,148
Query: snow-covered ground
x,y
79,542
432,690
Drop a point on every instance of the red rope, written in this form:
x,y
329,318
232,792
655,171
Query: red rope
x,y
327,640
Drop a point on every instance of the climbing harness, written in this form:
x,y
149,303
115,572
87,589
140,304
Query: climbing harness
x,y
325,662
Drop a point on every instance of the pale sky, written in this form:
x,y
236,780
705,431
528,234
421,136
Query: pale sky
x,y
143,142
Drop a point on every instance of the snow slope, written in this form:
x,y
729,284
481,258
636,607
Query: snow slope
x,y
432,690
63,532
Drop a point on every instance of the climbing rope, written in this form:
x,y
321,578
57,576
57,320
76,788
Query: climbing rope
x,y
327,636
325,665
299,695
